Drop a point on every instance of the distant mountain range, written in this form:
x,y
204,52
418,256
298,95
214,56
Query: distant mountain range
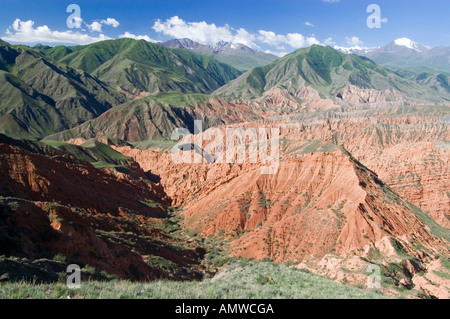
x,y
333,75
136,67
45,90
39,96
403,53
138,90
237,55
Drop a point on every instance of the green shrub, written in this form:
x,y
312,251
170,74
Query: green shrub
x,y
263,201
59,258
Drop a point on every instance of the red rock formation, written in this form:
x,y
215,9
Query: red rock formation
x,y
409,155
322,202
356,96
422,176
329,189
57,205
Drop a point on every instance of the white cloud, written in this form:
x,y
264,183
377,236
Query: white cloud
x,y
355,41
197,31
329,41
137,37
331,1
271,38
95,26
111,21
77,22
309,24
295,40
244,37
24,32
278,54
210,34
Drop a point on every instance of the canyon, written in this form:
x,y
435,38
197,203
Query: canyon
x,y
361,180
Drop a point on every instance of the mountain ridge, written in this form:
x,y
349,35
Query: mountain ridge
x,y
404,53
328,72
41,96
237,55
138,66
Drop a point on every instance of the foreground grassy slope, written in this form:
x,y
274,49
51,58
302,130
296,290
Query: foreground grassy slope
x,y
238,280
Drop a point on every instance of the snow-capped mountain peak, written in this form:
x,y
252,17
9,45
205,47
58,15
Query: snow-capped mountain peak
x,y
353,50
231,47
395,47
410,44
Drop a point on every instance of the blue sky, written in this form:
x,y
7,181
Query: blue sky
x,y
276,26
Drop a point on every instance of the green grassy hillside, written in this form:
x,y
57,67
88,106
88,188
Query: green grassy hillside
x,y
324,69
155,117
146,67
39,96
239,280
